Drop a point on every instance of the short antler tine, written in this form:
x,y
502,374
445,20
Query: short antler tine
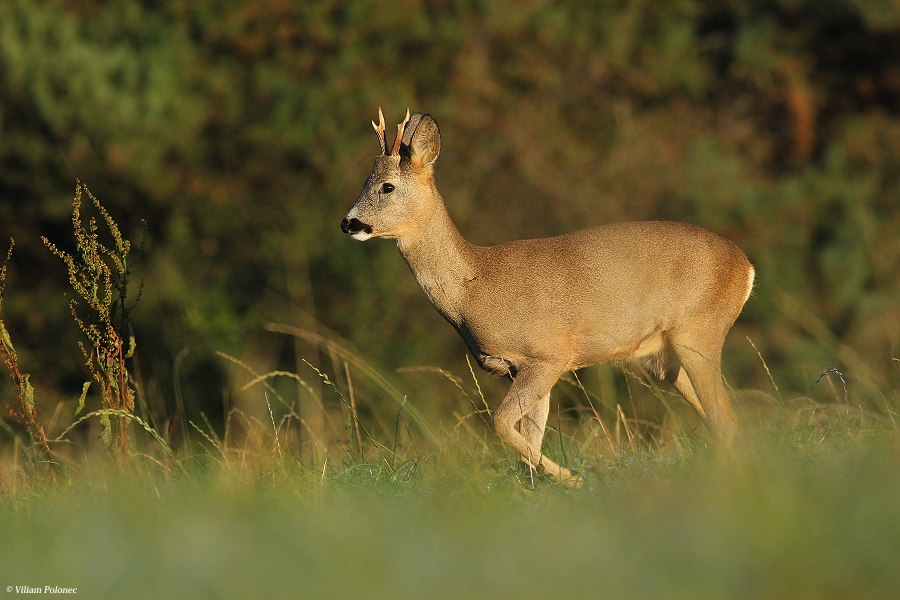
x,y
396,148
379,131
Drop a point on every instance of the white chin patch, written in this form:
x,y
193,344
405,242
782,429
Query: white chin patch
x,y
361,236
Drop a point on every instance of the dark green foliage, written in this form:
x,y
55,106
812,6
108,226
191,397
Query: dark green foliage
x,y
240,131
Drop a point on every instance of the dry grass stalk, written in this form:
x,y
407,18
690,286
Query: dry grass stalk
x,y
766,367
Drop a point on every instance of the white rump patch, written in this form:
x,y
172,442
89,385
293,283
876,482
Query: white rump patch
x,y
750,283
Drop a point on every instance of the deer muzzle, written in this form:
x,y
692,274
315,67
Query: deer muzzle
x,y
354,227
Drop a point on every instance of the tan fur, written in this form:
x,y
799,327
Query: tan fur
x,y
662,293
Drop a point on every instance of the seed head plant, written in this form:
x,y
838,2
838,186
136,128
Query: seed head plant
x,y
100,277
25,412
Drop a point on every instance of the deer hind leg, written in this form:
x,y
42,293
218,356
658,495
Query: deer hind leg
x,y
678,377
699,379
530,390
664,364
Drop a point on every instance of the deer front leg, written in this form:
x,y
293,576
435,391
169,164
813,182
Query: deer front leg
x,y
533,425
529,390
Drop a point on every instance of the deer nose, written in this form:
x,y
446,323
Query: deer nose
x,y
354,225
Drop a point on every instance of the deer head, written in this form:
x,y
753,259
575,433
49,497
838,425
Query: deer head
x,y
399,193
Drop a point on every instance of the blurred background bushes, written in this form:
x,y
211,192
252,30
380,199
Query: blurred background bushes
x,y
239,129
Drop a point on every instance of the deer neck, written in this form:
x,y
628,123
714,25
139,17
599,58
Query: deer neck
x,y
441,261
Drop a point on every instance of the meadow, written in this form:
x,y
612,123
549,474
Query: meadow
x,y
396,506
799,512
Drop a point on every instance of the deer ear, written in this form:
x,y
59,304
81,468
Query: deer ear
x,y
424,142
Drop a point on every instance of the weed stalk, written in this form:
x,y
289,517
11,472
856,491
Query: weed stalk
x,y
100,277
25,412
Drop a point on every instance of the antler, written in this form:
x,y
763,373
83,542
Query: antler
x,y
379,131
396,148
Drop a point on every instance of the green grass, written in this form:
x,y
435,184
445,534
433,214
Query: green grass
x,y
399,504
802,510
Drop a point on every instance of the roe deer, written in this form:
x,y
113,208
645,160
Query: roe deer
x,y
663,293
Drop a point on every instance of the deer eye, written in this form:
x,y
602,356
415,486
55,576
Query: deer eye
x,y
387,188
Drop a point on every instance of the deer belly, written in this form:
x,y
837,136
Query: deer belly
x,y
602,347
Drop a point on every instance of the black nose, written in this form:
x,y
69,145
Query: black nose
x,y
354,225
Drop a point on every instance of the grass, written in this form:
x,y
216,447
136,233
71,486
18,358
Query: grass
x,y
806,508
403,507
